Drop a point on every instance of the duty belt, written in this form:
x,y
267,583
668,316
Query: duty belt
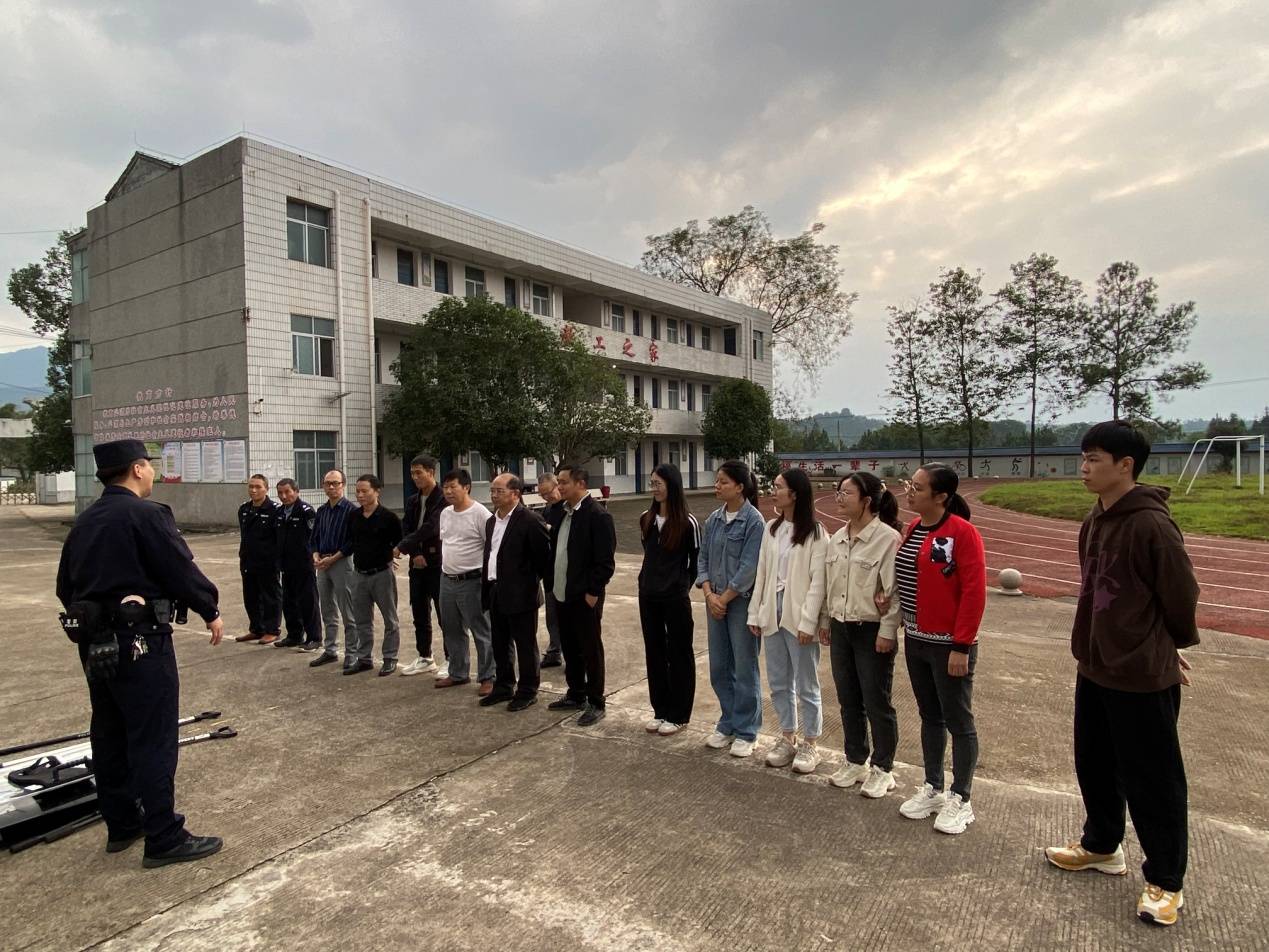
x,y
463,576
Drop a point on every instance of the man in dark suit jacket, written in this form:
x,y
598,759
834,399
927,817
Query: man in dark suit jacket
x,y
517,558
422,543
583,544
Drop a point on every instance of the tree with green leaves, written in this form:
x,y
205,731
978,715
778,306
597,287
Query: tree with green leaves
x,y
911,364
1126,344
967,372
738,421
476,375
796,280
42,291
1042,311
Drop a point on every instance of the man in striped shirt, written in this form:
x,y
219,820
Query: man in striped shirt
x,y
331,545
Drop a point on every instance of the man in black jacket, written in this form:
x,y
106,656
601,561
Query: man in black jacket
x,y
422,544
258,520
549,490
299,578
584,543
517,557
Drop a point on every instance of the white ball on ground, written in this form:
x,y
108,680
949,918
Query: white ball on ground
x,y
1010,582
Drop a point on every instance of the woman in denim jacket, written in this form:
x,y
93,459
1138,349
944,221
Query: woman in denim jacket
x,y
726,568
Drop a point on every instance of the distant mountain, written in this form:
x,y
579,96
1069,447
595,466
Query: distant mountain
x,y
22,374
840,424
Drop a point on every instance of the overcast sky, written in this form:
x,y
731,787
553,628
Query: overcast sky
x,y
923,134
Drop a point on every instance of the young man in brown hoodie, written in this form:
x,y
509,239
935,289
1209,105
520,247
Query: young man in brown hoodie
x,y
1136,608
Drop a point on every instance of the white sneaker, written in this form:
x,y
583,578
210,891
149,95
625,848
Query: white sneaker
x,y
741,747
419,666
922,803
653,725
807,760
667,728
718,741
849,774
781,755
442,670
955,816
879,783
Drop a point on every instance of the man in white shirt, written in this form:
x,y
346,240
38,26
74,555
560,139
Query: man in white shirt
x,y
462,557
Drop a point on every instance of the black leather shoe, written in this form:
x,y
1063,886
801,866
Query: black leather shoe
x,y
193,847
288,642
520,703
121,843
388,667
591,716
489,700
310,646
551,661
322,659
566,703
359,666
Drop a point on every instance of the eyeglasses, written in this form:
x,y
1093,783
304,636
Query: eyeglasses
x,y
333,482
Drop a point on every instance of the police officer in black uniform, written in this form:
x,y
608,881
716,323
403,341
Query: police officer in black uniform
x,y
299,577
124,569
258,520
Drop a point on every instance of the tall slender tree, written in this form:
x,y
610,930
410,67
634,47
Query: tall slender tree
x,y
966,360
910,368
1127,342
1042,308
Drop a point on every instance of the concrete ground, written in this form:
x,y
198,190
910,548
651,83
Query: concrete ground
x,y
368,813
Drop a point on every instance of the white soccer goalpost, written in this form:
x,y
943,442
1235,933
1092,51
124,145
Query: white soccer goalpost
x,y
1238,442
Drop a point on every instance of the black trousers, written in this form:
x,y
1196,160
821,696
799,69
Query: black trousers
x,y
1127,753
863,677
299,602
134,733
946,707
581,638
667,646
425,594
262,597
515,648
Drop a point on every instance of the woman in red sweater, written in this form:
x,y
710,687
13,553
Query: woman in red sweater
x,y
941,575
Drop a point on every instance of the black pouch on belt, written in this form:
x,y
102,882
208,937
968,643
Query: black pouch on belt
x,y
82,621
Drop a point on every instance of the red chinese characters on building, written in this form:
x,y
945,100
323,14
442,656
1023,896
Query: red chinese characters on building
x,y
653,353
599,343
627,349
568,333
854,465
873,464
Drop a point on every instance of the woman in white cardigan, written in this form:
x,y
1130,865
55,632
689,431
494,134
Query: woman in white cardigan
x,y
787,597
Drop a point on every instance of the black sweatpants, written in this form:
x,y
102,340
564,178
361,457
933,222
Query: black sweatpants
x,y
134,734
299,603
946,707
262,597
667,646
581,638
1127,753
515,650
425,594
863,677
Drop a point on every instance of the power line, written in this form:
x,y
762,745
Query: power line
x,y
35,231
18,386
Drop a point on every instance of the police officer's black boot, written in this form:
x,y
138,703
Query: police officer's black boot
x,y
191,848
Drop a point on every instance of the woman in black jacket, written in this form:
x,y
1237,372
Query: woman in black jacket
x,y
671,540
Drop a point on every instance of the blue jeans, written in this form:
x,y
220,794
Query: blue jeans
x,y
733,672
794,677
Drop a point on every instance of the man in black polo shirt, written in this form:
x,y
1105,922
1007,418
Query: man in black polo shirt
x,y
374,532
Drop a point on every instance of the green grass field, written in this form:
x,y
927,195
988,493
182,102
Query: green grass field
x,y
1215,507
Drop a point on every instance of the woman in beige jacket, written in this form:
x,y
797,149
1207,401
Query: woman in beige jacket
x,y
859,571
787,597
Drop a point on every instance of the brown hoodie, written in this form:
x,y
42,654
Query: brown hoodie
x,y
1138,595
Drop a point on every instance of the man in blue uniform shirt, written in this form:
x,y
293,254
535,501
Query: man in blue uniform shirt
x,y
123,566
299,577
258,520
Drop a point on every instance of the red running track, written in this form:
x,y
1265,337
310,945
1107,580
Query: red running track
x,y
1233,574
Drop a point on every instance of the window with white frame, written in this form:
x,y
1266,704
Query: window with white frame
x,y
509,295
81,368
541,300
689,334
676,453
705,338
307,232
312,345
707,394
405,267
619,318
671,394
655,385
474,283
314,456
758,349
636,324
440,272
79,277
374,259
621,464
671,331
476,466
691,396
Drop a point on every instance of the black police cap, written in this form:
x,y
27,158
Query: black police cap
x,y
120,453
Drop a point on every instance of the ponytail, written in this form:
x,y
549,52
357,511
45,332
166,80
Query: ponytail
x,y
888,510
943,479
881,501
